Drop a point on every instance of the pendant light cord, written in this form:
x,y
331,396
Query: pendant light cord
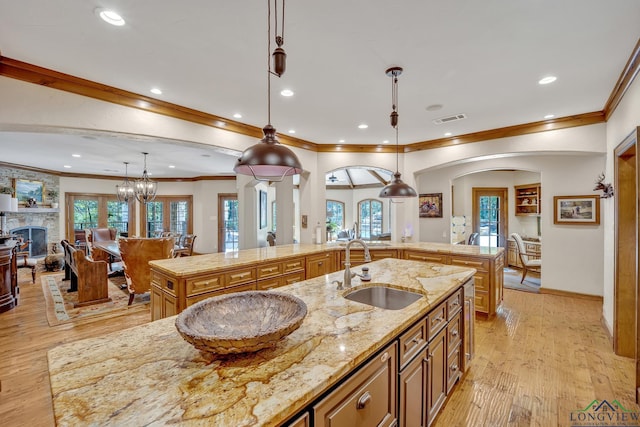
x,y
394,102
269,62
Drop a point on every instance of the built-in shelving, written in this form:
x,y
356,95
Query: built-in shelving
x,y
528,199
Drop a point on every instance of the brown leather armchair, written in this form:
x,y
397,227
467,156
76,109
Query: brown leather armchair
x,y
136,253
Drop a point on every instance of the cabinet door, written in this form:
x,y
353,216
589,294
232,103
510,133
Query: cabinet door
x,y
162,304
317,265
437,375
368,398
413,392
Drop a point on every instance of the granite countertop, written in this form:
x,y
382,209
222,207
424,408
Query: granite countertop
x,y
148,375
200,264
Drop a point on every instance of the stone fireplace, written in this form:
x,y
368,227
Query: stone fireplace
x,y
38,236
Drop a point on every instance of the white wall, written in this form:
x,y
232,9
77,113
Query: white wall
x,y
622,122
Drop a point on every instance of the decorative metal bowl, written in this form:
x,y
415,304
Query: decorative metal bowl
x,y
241,322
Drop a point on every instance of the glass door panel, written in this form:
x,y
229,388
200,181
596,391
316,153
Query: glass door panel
x,y
118,216
490,216
227,222
155,218
85,213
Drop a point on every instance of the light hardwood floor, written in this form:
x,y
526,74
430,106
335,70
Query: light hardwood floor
x,y
542,357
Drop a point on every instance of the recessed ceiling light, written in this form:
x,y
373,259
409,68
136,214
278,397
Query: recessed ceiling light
x,y
547,80
67,166
434,107
172,166
292,131
156,91
286,92
237,116
447,134
363,126
110,17
386,141
549,116
342,140
76,155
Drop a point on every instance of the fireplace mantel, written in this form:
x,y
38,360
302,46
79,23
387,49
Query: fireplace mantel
x,y
38,210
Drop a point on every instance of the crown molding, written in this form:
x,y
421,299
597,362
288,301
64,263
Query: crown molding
x,y
627,76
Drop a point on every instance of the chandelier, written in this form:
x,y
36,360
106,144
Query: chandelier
x,y
396,189
125,191
269,160
145,189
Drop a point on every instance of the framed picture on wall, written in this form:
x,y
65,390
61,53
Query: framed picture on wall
x,y
263,209
430,205
26,190
576,210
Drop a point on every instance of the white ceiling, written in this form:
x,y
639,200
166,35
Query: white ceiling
x,y
480,58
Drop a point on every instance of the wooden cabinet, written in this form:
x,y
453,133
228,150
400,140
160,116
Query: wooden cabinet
x,y
413,392
8,277
357,256
425,256
275,274
527,199
319,264
468,323
301,421
436,374
367,398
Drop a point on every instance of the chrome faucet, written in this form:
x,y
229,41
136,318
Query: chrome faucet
x,y
347,262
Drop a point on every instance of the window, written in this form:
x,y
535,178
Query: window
x,y
335,214
168,213
274,223
370,218
97,210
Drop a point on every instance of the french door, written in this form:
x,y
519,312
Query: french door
x,y
490,215
168,213
228,222
86,211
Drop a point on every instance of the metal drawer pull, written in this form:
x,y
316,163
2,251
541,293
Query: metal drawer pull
x,y
437,320
364,399
169,284
384,357
454,332
454,367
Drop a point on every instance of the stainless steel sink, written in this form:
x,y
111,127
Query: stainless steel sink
x,y
383,297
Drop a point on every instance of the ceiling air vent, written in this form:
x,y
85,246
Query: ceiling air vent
x,y
448,119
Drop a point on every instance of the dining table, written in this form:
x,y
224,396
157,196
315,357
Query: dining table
x,y
111,248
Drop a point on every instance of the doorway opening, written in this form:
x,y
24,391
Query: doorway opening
x,y
227,222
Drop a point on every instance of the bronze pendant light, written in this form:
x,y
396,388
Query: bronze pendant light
x,y
269,160
396,189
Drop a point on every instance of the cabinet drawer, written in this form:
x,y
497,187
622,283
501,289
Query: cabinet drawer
x,y
368,398
453,368
289,279
237,277
204,284
269,270
302,421
454,332
426,257
454,304
482,301
531,248
436,320
412,341
477,263
166,284
296,264
266,284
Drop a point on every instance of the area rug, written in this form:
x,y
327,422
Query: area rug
x,y
513,276
60,303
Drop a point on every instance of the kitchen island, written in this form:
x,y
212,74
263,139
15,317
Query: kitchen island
x,y
148,375
181,282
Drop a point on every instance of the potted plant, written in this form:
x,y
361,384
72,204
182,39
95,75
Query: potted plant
x,y
53,198
7,190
